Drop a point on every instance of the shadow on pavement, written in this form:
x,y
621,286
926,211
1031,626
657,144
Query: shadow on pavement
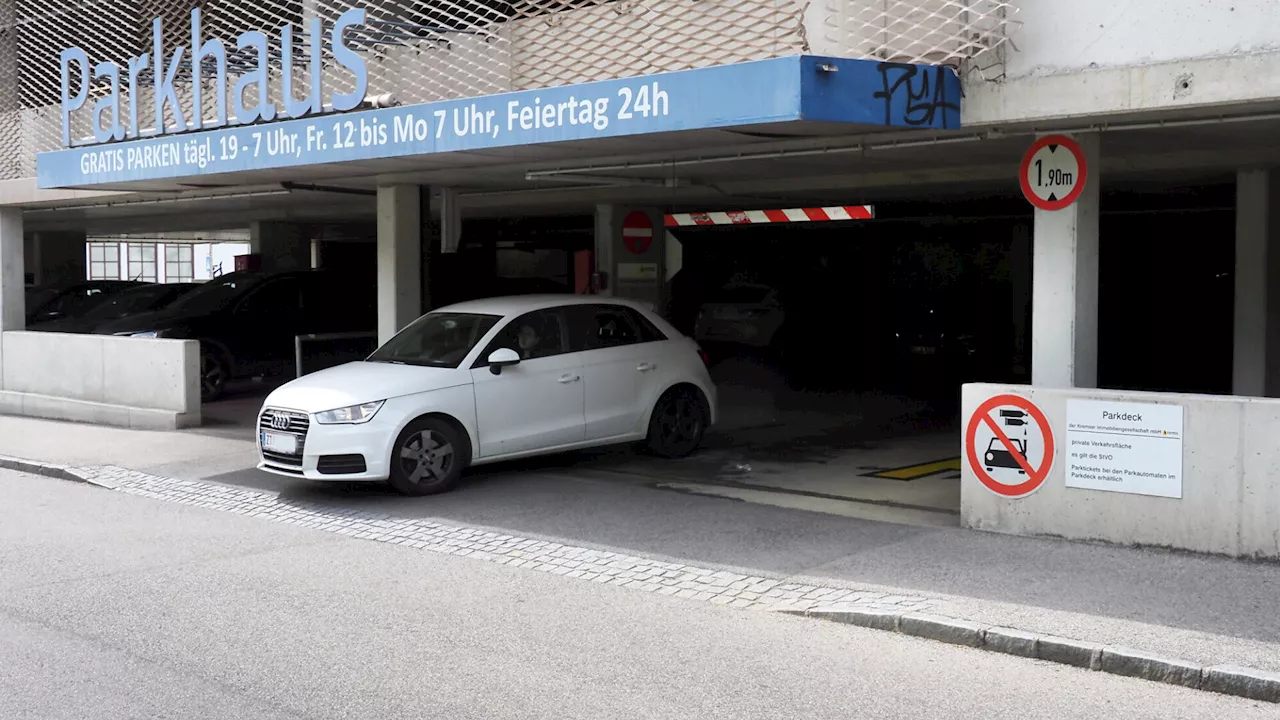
x,y
564,497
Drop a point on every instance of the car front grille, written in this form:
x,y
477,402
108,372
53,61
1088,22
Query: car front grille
x,y
285,421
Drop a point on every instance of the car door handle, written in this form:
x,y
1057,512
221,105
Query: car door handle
x,y
646,367
569,377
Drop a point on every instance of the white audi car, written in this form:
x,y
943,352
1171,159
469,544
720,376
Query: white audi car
x,y
492,380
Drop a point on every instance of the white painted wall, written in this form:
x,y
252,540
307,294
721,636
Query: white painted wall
x,y
1059,36
1230,492
129,382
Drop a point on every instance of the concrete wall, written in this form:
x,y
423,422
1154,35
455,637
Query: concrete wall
x,y
1061,36
1090,58
1230,500
129,382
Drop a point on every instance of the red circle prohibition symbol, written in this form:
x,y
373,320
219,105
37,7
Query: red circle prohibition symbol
x,y
637,232
1024,173
1035,476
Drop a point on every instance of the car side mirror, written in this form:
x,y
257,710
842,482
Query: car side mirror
x,y
502,357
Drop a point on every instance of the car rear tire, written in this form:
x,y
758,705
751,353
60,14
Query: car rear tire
x,y
214,373
678,424
428,458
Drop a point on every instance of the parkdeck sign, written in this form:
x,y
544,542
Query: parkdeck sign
x,y
110,122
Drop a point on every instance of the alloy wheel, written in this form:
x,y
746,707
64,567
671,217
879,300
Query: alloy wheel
x,y
426,457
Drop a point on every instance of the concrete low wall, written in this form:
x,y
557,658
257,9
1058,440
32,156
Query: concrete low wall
x,y
129,382
1230,490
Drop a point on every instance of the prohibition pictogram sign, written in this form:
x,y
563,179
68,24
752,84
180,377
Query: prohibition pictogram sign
x,y
1016,442
637,232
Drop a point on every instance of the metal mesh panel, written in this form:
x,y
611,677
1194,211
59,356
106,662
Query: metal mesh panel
x,y
424,50
970,34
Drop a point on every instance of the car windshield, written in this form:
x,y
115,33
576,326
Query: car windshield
x,y
140,300
75,302
436,340
215,294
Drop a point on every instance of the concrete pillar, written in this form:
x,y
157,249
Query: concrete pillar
x,y
59,257
282,245
1064,287
1256,351
636,269
13,315
400,258
605,223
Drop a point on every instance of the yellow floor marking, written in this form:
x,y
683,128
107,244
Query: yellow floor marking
x,y
913,472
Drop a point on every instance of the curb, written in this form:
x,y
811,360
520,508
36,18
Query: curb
x,y
51,470
1242,682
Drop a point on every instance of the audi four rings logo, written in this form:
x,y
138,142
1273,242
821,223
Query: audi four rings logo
x,y
280,422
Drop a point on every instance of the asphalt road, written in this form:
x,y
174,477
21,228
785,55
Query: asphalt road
x,y
114,606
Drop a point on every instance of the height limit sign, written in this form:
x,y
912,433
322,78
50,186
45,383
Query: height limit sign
x,y
1053,172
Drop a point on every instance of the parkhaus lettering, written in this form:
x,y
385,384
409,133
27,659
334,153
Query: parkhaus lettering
x,y
1129,417
109,123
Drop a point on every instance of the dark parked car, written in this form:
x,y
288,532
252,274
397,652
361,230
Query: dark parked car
x,y
246,322
46,304
119,305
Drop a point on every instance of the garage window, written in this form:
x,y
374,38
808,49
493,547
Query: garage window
x,y
179,263
142,262
104,261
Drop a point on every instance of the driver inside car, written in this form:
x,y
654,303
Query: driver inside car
x,y
528,341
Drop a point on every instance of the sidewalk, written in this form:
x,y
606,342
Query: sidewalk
x,y
1204,609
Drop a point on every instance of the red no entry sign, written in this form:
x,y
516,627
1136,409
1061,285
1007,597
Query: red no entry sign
x,y
1053,172
637,232
1009,445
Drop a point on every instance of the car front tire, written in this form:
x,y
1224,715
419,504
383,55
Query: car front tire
x,y
428,458
678,423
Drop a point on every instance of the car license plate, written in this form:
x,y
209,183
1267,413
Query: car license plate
x,y
922,350
282,443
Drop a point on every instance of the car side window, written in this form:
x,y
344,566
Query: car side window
x,y
604,326
648,332
539,334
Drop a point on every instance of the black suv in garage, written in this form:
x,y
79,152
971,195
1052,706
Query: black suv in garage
x,y
246,322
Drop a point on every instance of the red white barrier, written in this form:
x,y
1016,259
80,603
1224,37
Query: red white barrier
x,y
752,217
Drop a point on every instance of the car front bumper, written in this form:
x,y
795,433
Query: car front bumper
x,y
334,453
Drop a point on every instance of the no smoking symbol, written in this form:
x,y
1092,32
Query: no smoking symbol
x,y
1009,446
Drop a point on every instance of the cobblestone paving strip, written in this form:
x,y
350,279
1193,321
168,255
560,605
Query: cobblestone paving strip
x,y
579,563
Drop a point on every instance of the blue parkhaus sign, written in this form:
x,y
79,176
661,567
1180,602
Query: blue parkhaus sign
x,y
766,91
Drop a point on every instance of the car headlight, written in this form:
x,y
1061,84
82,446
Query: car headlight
x,y
352,415
148,335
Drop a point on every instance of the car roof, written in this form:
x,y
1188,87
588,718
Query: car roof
x,y
520,304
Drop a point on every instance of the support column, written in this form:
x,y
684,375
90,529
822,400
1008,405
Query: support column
x,y
1256,349
634,258
605,222
13,315
400,257
282,245
59,257
1064,287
